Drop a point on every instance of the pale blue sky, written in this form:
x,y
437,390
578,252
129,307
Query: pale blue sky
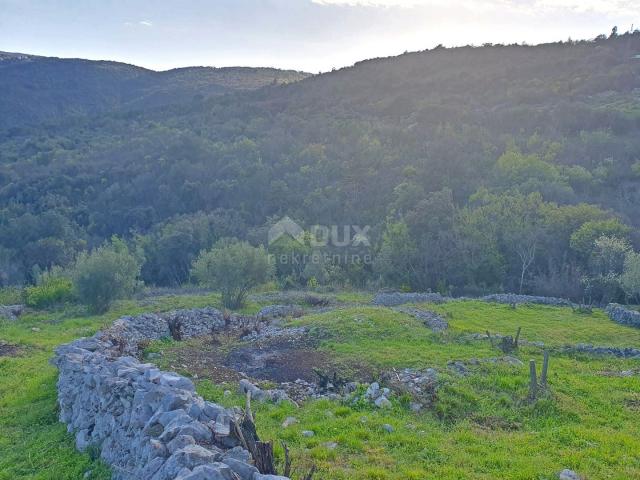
x,y
311,35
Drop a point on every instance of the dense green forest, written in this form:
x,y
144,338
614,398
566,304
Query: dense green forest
x,y
501,167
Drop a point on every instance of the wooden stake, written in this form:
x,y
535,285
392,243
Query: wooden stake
x,y
287,460
545,367
247,409
533,380
309,475
517,337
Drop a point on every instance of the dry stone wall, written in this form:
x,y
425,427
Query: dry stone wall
x,y
515,299
390,299
146,423
623,315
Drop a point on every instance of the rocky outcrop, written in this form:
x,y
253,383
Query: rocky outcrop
x,y
514,299
431,319
147,424
398,298
276,395
623,315
11,312
280,311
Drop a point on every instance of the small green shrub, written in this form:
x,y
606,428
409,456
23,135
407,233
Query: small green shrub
x,y
233,268
51,291
11,295
106,274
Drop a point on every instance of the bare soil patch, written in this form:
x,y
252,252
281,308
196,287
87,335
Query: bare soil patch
x,y
633,402
229,358
9,350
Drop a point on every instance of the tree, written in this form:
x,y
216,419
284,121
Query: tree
x,y
605,269
583,240
396,258
631,275
171,248
233,269
431,223
108,273
517,221
289,256
609,255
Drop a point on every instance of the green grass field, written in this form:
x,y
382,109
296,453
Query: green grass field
x,y
482,426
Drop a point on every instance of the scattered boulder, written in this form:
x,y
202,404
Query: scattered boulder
x,y
289,421
271,395
459,367
567,474
270,332
431,319
422,385
279,311
11,312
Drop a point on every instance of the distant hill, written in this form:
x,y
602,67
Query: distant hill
x,y
36,89
457,158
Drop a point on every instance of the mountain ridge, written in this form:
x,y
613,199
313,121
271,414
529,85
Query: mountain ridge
x,y
45,89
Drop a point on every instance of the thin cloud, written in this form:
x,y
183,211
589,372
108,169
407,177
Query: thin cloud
x,y
140,23
617,7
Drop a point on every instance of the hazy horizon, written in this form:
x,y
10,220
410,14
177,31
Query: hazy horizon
x,y
307,35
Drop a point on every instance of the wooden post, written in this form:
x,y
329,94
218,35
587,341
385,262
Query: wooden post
x,y
490,338
263,459
309,475
517,336
287,460
533,380
545,367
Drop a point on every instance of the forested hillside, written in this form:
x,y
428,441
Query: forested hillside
x,y
42,89
478,168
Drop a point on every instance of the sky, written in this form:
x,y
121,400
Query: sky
x,y
309,35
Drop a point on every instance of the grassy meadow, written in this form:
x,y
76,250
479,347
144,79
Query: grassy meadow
x,y
481,427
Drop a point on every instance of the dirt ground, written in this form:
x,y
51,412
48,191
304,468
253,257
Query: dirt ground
x,y
9,350
225,358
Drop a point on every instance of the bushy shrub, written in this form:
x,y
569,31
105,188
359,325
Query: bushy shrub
x,y
11,295
233,269
53,287
106,274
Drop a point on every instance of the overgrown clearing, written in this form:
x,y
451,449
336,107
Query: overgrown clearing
x,y
481,427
